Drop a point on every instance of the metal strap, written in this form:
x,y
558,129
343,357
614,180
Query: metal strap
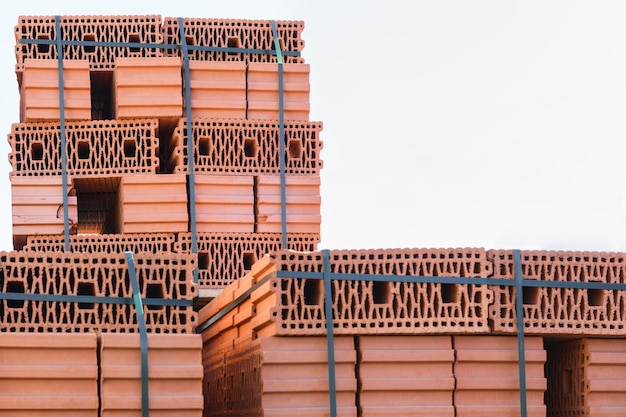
x,y
521,351
330,338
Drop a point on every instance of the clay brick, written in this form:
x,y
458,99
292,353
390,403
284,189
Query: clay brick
x,y
122,29
263,91
153,204
37,206
48,375
235,33
405,375
248,147
487,376
99,244
40,91
148,87
224,203
225,257
586,377
303,203
283,377
174,370
564,310
218,89
160,276
95,149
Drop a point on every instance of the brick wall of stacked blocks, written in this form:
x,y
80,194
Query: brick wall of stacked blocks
x,y
192,185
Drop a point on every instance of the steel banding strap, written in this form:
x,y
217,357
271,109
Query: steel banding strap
x,y
330,338
519,310
190,149
145,395
92,299
281,139
66,222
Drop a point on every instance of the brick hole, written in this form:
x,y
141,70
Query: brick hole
x,y
134,38
15,287
567,381
449,293
36,151
233,43
595,297
203,260
294,149
86,288
42,47
250,148
154,291
249,259
130,148
381,292
204,145
313,292
83,149
190,40
530,295
101,95
89,48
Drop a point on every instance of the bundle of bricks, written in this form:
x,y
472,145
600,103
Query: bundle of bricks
x,y
419,332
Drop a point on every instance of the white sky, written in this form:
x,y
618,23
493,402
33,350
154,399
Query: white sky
x,y
496,124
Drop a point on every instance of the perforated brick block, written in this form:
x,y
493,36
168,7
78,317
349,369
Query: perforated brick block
x,y
235,33
283,377
148,87
153,204
174,375
226,257
486,370
586,377
263,91
39,92
37,207
117,29
405,375
224,203
561,310
93,148
162,276
99,244
302,201
248,147
48,375
218,89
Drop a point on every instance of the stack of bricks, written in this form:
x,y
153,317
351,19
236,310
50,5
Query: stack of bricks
x,y
422,347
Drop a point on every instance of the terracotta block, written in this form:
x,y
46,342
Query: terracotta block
x,y
218,89
225,257
303,203
160,276
40,91
566,310
37,206
586,377
263,91
405,375
94,148
110,243
48,375
174,369
224,203
248,147
153,204
235,33
284,377
148,87
122,29
487,376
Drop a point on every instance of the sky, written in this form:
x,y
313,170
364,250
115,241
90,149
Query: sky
x,y
447,123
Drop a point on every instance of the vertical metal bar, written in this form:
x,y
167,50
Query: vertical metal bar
x,y
190,148
143,334
330,339
281,122
519,310
66,222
